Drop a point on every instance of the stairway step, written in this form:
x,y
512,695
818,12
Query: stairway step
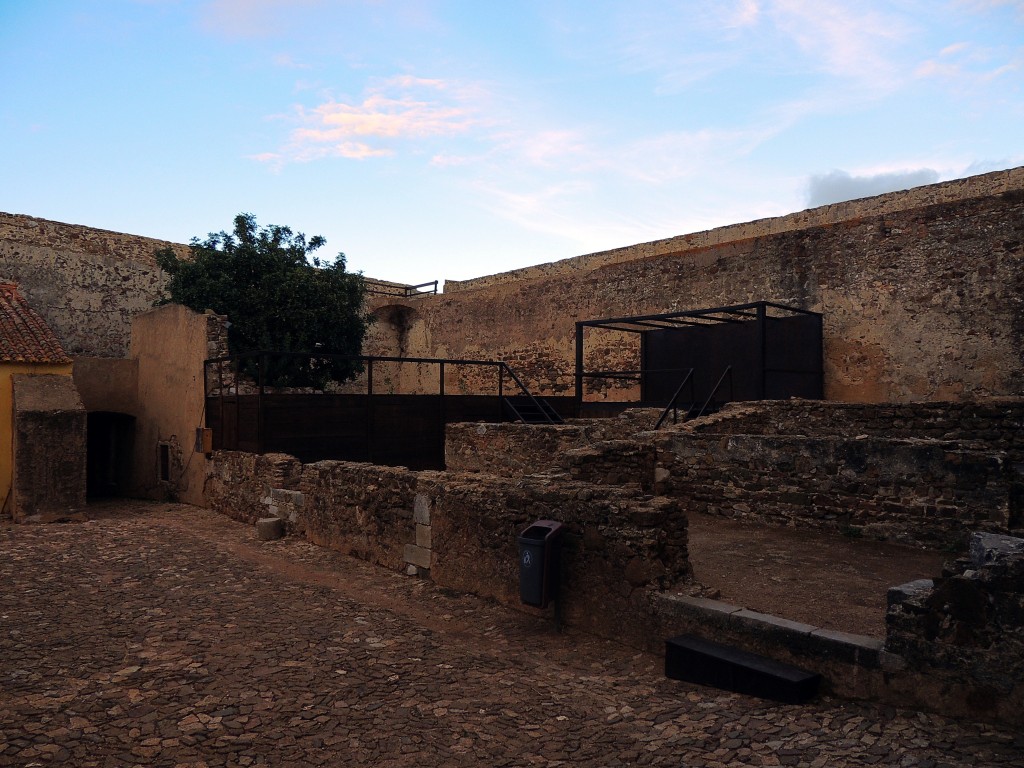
x,y
705,662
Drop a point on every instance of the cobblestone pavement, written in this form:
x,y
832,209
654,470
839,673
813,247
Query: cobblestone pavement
x,y
162,635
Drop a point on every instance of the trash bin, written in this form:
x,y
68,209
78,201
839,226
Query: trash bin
x,y
539,563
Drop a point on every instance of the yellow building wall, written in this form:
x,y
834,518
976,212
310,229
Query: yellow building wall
x,y
7,370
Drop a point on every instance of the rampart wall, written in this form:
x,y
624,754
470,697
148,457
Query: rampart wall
x,y
86,283
922,294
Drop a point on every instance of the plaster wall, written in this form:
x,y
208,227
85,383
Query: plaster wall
x,y
169,345
49,474
107,383
7,371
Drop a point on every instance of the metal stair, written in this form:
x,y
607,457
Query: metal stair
x,y
532,410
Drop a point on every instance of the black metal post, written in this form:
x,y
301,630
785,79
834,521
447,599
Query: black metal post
x,y
259,404
762,321
579,367
501,391
220,404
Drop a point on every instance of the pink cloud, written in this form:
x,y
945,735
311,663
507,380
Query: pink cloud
x,y
402,108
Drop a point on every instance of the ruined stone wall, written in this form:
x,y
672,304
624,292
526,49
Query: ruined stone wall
x,y
963,633
922,294
516,449
919,492
461,529
86,283
998,422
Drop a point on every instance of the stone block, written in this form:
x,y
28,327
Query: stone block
x,y
421,509
852,649
417,555
423,536
269,528
987,548
911,590
792,632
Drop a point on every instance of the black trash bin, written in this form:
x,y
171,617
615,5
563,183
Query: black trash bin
x,y
539,563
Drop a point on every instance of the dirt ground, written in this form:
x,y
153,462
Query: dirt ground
x,y
823,579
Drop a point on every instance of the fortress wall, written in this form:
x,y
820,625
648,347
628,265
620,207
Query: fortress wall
x,y
925,303
86,283
947,192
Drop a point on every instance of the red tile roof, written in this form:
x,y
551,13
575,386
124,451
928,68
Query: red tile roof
x,y
24,336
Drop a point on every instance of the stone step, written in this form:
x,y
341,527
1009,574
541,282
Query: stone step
x,y
704,662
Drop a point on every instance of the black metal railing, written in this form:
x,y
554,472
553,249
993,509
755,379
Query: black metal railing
x,y
673,404
245,376
726,374
405,291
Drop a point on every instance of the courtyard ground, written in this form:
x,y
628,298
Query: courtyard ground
x,y
164,635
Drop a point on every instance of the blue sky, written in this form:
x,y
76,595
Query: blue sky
x,y
432,139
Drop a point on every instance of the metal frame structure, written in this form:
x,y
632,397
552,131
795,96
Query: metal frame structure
x,y
758,311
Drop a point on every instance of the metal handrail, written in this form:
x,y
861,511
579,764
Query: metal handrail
x,y
387,289
512,375
726,372
500,364
673,403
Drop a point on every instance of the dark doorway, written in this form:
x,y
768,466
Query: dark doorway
x,y
111,438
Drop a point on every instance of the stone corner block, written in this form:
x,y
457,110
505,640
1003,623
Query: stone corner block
x,y
423,536
421,509
417,556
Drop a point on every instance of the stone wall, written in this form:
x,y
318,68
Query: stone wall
x,y
919,492
963,633
516,449
49,447
86,283
459,529
998,422
922,294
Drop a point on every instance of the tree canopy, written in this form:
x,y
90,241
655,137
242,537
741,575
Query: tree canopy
x,y
277,297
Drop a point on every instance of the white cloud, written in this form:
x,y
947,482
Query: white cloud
x,y
857,42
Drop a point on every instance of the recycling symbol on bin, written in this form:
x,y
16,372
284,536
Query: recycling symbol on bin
x,y
527,559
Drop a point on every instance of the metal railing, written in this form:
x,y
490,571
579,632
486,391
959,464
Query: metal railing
x,y
727,373
673,403
405,291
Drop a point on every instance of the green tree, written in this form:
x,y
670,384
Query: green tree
x,y
277,296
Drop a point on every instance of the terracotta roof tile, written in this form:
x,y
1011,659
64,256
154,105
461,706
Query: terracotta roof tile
x,y
24,336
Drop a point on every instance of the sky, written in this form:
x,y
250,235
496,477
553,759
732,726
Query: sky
x,y
449,139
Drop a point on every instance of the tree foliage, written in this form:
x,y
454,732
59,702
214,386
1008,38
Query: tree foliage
x,y
277,296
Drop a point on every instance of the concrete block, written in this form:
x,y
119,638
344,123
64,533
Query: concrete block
x,y
779,628
421,509
417,555
423,536
847,647
269,528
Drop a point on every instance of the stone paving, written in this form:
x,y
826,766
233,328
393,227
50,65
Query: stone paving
x,y
163,635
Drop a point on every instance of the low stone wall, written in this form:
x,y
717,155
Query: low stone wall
x,y
998,422
510,450
628,463
918,492
963,634
619,548
516,449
